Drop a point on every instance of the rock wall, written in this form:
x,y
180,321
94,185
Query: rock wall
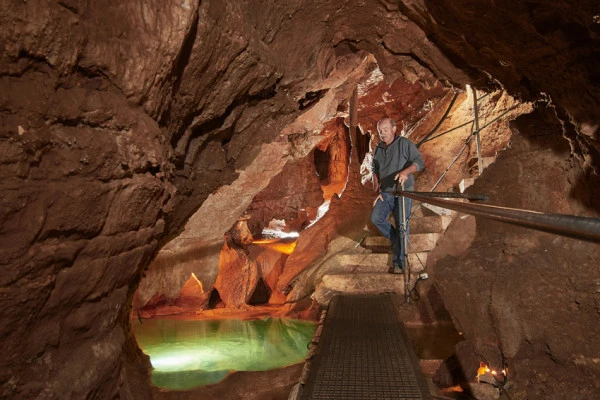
x,y
84,194
528,47
84,181
536,51
531,297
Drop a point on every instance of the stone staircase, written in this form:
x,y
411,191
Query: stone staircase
x,y
364,270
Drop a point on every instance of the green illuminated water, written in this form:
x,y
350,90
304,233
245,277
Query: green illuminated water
x,y
187,354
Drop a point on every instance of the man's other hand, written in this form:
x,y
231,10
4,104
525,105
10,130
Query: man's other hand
x,y
380,197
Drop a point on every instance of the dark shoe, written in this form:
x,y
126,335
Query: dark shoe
x,y
396,269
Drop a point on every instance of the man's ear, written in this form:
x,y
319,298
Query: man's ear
x,y
394,128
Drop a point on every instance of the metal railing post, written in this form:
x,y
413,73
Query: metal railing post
x,y
476,132
405,250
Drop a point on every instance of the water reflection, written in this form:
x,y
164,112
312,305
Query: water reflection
x,y
188,354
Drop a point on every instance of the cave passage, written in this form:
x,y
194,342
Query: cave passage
x,y
191,353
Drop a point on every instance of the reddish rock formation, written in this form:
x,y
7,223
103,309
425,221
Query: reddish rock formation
x,y
240,234
287,197
334,157
346,217
192,295
270,263
237,278
406,102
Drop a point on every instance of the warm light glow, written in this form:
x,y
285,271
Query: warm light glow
x,y
482,370
278,234
453,389
285,248
277,245
491,377
266,241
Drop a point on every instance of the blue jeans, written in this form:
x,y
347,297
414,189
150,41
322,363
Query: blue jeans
x,y
381,210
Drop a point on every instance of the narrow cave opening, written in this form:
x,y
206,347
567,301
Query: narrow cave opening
x,y
321,158
261,294
362,143
214,300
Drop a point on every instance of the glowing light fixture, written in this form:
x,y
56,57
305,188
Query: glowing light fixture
x,y
274,233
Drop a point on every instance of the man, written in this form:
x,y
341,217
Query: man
x,y
395,158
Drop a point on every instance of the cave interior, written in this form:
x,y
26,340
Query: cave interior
x,y
211,159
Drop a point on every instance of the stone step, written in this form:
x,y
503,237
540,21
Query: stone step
x,y
418,211
419,242
369,283
426,225
360,263
378,262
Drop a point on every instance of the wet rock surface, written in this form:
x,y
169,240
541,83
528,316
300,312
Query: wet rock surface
x,y
275,385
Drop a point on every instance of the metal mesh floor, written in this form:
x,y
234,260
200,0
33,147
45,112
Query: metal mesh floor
x,y
364,353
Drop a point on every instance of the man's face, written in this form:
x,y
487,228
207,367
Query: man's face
x,y
387,132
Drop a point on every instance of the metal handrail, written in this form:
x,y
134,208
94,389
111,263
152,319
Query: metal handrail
x,y
470,122
584,228
453,195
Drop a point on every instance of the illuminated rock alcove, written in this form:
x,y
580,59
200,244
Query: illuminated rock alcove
x,y
146,145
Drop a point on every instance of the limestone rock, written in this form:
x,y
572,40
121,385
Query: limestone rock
x,y
270,264
460,368
192,295
237,277
240,234
484,391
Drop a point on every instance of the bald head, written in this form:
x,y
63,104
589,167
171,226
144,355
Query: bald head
x,y
391,121
387,130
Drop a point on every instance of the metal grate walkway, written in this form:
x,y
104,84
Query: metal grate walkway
x,y
364,353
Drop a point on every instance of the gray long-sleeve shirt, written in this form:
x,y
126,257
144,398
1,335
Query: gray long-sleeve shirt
x,y
389,160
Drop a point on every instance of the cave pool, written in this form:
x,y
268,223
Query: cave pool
x,y
191,353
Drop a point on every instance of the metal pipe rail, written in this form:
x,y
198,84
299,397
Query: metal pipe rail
x,y
467,123
566,225
452,195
